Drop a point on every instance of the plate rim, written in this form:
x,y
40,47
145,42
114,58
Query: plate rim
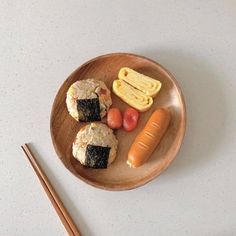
x,y
154,173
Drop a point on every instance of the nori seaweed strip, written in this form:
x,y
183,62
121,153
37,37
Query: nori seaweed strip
x,y
88,109
97,156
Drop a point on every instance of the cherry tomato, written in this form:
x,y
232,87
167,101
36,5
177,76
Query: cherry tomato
x,y
114,118
130,119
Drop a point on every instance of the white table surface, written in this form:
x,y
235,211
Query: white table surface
x,y
42,42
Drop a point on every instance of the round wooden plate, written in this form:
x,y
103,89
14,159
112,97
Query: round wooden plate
x,y
119,176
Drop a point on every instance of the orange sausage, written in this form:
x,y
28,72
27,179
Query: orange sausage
x,y
147,140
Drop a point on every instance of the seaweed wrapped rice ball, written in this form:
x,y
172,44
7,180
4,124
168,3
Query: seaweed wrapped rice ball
x,y
95,146
88,100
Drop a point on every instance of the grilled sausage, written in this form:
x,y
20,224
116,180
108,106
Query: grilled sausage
x,y
148,139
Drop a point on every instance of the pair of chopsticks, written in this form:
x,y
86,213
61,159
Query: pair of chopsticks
x,y
52,195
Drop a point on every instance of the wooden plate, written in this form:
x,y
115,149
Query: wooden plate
x,y
119,176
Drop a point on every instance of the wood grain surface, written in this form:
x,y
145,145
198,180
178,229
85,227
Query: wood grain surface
x,y
119,176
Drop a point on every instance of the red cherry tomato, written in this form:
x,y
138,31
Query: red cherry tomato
x,y
130,119
114,118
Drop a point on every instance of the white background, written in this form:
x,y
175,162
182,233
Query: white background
x,y
42,42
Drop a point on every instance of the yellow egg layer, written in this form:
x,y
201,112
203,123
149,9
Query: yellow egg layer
x,y
132,96
141,82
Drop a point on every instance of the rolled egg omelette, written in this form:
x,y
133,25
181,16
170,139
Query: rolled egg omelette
x,y
136,89
143,83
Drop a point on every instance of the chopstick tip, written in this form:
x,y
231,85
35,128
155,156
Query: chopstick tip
x,y
24,146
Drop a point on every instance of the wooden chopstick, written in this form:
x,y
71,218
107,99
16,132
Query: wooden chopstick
x,y
52,195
